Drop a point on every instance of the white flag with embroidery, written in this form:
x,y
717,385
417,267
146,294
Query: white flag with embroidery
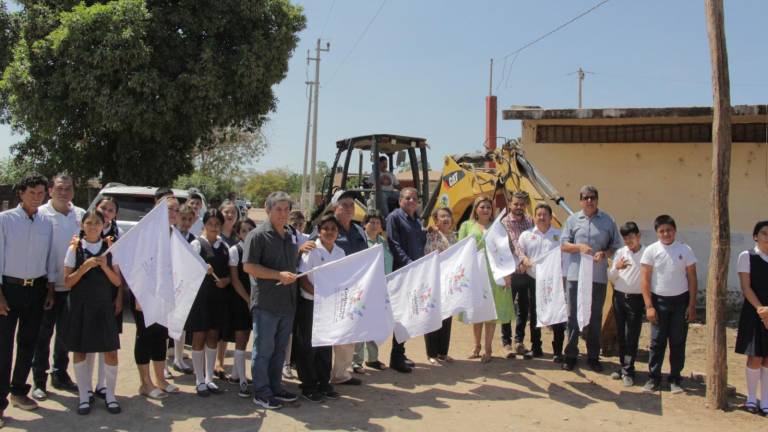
x,y
143,254
551,307
414,294
483,306
584,301
457,277
350,300
189,270
500,257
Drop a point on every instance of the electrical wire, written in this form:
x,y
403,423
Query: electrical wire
x,y
357,41
327,18
556,29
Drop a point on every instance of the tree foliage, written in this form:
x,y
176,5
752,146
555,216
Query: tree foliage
x,y
228,150
259,185
13,170
215,188
135,89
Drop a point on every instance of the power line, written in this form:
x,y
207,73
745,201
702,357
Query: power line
x,y
561,26
327,18
357,41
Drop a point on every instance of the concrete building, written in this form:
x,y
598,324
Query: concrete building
x,y
650,161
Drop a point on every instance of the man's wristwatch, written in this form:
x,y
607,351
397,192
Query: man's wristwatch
x,y
649,307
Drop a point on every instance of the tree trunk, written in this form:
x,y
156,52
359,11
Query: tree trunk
x,y
717,278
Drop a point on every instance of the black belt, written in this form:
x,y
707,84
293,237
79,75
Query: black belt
x,y
10,280
623,294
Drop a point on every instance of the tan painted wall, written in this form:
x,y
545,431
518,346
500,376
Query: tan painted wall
x,y
641,181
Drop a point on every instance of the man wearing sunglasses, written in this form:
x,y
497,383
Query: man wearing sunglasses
x,y
593,232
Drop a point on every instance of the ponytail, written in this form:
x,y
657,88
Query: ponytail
x,y
79,253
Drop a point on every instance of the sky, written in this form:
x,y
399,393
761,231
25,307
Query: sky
x,y
422,67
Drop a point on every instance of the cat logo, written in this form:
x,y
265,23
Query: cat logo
x,y
452,178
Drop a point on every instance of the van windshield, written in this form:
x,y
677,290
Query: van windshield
x,y
134,207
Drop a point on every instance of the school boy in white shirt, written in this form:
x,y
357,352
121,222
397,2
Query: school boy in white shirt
x,y
668,281
627,305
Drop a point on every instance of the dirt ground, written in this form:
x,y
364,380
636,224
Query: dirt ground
x,y
518,394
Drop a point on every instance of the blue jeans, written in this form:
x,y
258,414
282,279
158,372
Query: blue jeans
x,y
271,332
671,327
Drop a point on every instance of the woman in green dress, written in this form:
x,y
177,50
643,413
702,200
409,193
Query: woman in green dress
x,y
480,220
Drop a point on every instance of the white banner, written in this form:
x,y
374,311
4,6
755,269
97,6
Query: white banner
x,y
500,257
457,264
414,294
584,303
143,254
188,269
483,306
551,306
350,300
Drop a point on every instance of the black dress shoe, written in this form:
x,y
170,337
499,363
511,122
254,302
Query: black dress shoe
x,y
408,362
595,365
569,364
62,381
558,358
351,381
401,367
376,365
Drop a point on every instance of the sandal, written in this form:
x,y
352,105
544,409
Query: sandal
x,y
433,361
155,394
84,408
751,407
221,374
100,392
113,407
476,353
171,388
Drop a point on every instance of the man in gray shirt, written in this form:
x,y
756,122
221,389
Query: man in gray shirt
x,y
26,288
593,232
270,257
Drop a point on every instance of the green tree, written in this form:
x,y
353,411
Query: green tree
x,y
228,150
259,185
13,170
213,187
134,89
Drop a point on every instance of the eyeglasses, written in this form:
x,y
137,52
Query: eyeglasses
x,y
589,198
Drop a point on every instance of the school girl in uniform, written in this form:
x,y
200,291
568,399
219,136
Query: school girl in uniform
x,y
230,236
151,341
92,327
209,311
239,304
184,222
752,337
110,233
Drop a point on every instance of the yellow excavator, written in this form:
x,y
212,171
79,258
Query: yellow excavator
x,y
498,174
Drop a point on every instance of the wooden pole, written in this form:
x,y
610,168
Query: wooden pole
x,y
717,277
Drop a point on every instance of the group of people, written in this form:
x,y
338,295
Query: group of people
x,y
57,275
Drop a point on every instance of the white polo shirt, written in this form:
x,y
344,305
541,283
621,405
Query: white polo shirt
x,y
535,243
627,280
65,226
742,263
317,257
669,262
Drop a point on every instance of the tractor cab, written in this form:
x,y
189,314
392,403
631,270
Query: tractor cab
x,y
385,164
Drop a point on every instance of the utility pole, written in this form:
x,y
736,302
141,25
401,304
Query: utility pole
x,y
304,203
581,84
717,275
316,87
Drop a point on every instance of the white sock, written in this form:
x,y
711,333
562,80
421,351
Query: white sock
x,y
753,378
763,387
198,364
90,360
83,378
110,381
100,379
210,361
239,368
178,352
